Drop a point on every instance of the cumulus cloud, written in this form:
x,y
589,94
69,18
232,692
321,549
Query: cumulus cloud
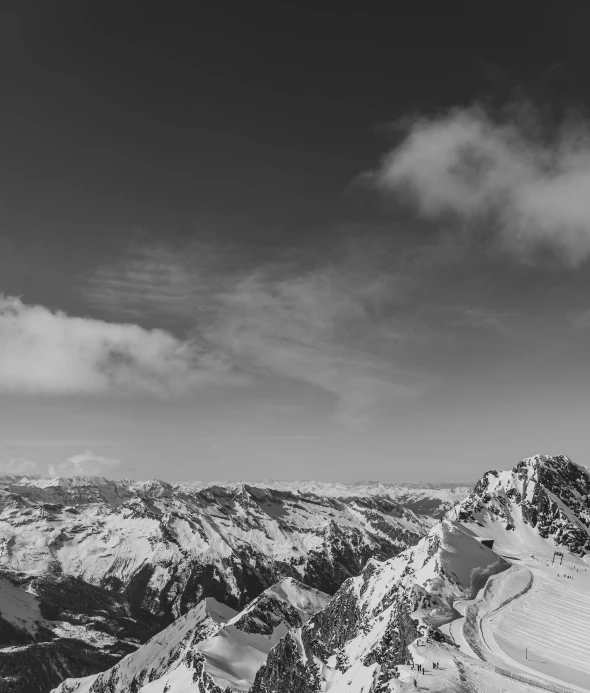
x,y
530,187
18,466
42,351
85,464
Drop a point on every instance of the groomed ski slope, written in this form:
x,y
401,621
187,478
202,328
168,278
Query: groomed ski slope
x,y
541,629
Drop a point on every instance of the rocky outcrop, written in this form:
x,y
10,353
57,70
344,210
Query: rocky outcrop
x,y
160,549
55,626
367,626
208,652
165,548
541,498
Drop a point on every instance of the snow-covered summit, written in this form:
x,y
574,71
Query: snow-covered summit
x,y
212,648
368,626
543,503
368,635
172,546
423,498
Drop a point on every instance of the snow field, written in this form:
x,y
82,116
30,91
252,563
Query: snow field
x,y
553,623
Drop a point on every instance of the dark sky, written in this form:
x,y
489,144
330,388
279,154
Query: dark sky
x,y
198,168
258,114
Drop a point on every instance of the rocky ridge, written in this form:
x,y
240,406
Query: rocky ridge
x,y
365,631
160,549
54,626
543,503
211,649
165,548
361,637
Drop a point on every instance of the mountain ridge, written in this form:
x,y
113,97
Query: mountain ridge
x,y
163,549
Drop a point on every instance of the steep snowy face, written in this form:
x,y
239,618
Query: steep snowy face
x,y
170,650
53,626
165,548
542,503
211,649
366,628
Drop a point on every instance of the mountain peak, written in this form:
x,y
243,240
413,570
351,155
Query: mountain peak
x,y
541,503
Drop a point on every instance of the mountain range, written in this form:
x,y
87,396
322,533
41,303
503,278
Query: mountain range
x,y
496,593
139,555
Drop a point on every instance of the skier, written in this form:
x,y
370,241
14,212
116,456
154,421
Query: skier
x,y
415,684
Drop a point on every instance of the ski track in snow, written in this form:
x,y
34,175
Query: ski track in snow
x,y
541,631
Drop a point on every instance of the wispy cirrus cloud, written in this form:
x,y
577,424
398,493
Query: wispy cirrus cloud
x,y
147,278
44,351
508,175
321,321
323,327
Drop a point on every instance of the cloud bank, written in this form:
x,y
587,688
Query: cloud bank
x,y
531,188
48,352
15,467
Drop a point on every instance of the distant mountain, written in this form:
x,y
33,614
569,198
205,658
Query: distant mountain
x,y
211,649
160,549
432,499
542,503
55,626
165,548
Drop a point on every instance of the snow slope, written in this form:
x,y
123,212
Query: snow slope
x,y
54,626
211,648
548,629
366,630
542,504
420,497
453,600
166,548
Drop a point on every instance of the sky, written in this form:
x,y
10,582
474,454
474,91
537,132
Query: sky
x,y
273,241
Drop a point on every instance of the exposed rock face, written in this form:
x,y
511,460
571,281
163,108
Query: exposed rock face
x,y
54,626
165,548
228,542
365,630
543,501
158,548
211,649
429,499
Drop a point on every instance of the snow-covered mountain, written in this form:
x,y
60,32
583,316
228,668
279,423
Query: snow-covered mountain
x,y
421,497
54,626
395,615
210,649
164,548
167,547
366,629
543,503
449,598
